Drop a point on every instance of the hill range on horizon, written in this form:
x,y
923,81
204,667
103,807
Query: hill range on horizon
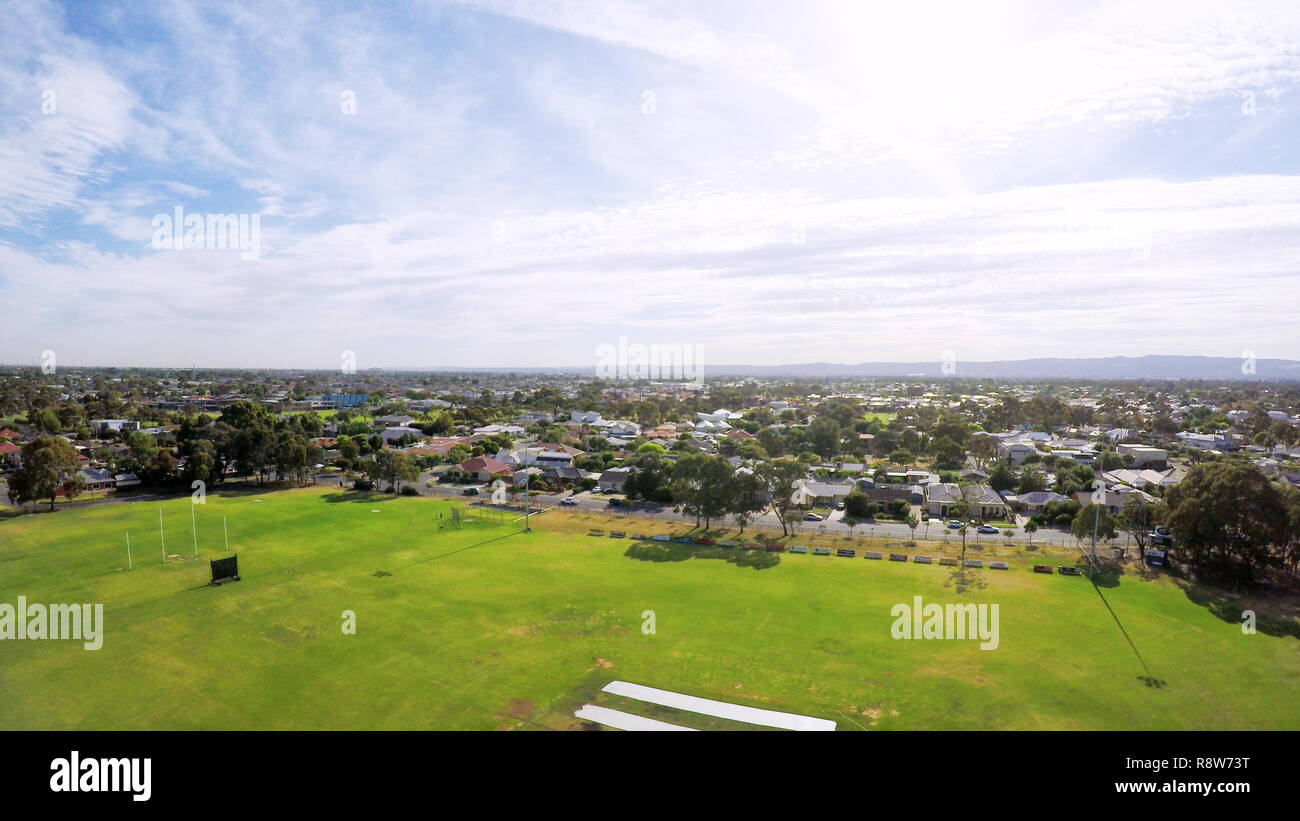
x,y
1148,367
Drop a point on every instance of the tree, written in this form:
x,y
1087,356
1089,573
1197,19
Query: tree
x,y
824,436
47,463
1091,518
1030,529
748,497
686,477
911,523
1002,478
782,476
1139,517
858,506
1030,480
714,493
393,467
1227,516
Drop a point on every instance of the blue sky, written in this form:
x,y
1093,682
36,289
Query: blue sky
x,y
521,183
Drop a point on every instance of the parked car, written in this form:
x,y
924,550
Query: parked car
x,y
839,505
988,529
569,501
470,491
811,517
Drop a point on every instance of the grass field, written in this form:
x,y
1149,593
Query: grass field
x,y
484,627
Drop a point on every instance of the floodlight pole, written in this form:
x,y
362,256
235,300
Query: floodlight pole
x,y
528,477
194,528
1096,522
226,531
162,538
129,565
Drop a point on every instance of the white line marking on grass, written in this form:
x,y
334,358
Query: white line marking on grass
x,y
719,709
625,721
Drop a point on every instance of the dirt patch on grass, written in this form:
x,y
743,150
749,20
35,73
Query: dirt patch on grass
x,y
515,714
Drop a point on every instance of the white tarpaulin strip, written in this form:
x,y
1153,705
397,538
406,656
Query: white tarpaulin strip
x,y
624,721
718,709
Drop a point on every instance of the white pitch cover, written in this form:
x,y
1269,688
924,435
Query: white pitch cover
x,y
719,709
624,721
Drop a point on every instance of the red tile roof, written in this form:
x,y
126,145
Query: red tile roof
x,y
485,463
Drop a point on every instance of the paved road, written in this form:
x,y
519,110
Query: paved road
x,y
834,524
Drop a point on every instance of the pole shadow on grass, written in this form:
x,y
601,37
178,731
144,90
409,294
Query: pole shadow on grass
x,y
677,552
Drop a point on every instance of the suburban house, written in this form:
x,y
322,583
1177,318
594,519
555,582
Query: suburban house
x,y
1205,441
1144,456
1016,452
719,415
612,480
485,469
618,428
1035,501
1141,478
820,493
396,420
940,498
984,502
395,433
884,494
101,426
10,454
493,430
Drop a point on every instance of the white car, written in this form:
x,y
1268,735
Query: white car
x,y
569,501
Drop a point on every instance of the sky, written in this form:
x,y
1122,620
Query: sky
x,y
494,183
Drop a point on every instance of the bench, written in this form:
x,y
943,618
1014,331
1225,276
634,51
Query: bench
x,y
776,547
874,555
922,559
1069,571
974,563
1042,568
998,565
798,548
948,560
846,553
897,557
617,534
821,551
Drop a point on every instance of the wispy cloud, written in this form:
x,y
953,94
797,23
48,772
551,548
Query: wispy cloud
x,y
493,183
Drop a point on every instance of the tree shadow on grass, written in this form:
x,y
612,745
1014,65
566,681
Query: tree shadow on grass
x,y
370,496
1275,613
676,552
965,578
